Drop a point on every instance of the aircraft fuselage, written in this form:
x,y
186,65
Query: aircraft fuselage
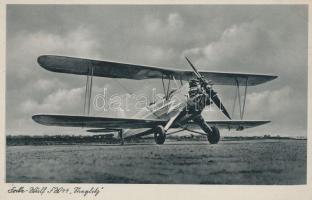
x,y
178,101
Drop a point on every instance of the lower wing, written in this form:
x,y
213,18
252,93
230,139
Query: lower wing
x,y
128,123
229,124
97,122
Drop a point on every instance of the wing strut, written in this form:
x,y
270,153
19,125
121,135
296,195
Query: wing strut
x,y
245,96
88,92
241,105
166,91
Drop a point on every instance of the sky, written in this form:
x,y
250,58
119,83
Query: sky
x,y
270,39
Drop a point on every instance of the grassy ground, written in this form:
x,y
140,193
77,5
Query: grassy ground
x,y
229,162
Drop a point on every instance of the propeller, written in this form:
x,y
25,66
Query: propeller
x,y
212,94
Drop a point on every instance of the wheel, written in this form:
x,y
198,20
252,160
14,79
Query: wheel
x,y
214,136
159,135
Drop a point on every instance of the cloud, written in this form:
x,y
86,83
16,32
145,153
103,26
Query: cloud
x,y
175,21
259,105
270,103
60,101
158,27
154,55
154,42
26,47
236,48
46,85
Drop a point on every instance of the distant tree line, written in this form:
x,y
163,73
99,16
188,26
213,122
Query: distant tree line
x,y
59,139
109,139
257,137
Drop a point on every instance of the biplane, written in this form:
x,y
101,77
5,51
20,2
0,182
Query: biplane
x,y
159,117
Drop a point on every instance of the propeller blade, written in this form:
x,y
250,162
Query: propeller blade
x,y
216,100
195,70
213,95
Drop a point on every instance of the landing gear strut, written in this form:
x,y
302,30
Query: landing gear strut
x,y
121,137
213,136
160,135
212,133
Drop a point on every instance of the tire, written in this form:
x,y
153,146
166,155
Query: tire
x,y
214,137
160,135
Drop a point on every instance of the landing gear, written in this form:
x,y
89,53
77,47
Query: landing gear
x,y
121,137
213,136
212,133
160,135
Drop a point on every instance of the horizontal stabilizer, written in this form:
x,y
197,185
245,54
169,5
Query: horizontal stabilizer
x,y
102,130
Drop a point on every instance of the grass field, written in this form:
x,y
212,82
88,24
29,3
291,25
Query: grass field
x,y
229,162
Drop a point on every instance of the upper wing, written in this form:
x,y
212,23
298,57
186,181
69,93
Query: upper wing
x,y
96,122
81,66
230,124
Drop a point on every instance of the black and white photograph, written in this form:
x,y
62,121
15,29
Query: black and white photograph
x,y
156,94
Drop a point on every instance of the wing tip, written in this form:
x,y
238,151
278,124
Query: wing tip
x,y
43,60
268,78
274,77
35,117
38,118
43,119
